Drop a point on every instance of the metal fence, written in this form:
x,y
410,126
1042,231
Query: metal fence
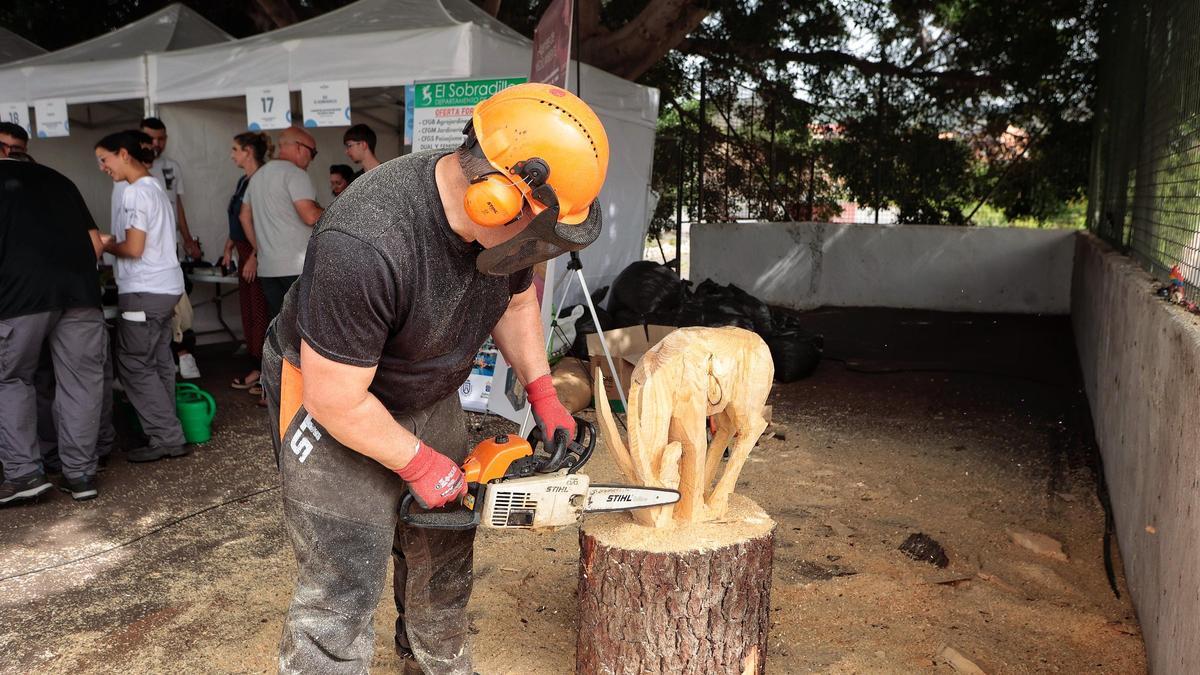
x,y
1144,195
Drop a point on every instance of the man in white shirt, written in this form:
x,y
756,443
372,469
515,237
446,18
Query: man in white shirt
x,y
281,206
167,172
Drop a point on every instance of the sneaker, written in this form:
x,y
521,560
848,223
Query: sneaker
x,y
12,491
81,489
188,369
153,453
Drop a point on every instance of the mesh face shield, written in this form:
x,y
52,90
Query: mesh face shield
x,y
543,239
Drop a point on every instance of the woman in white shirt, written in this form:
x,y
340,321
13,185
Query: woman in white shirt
x,y
149,284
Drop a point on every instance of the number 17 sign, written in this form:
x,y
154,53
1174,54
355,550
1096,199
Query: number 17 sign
x,y
268,107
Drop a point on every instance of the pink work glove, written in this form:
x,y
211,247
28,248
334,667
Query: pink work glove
x,y
548,412
433,478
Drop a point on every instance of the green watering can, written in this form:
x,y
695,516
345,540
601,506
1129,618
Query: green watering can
x,y
196,409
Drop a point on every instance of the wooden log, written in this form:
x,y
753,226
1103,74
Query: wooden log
x,y
693,599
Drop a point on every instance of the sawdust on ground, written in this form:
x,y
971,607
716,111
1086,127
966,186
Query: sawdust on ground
x,y
868,459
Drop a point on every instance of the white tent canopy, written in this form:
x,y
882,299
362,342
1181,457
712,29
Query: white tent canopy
x,y
14,47
390,43
110,67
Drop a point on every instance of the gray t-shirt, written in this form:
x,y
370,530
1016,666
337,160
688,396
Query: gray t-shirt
x,y
282,236
387,283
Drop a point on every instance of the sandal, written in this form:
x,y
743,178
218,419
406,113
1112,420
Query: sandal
x,y
245,382
255,390
261,402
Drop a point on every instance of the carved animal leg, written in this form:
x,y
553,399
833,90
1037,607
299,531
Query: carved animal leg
x,y
689,429
716,448
608,427
747,436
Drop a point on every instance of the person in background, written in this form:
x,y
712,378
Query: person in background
x,y
149,284
250,150
359,141
49,294
280,207
340,178
167,171
13,138
168,174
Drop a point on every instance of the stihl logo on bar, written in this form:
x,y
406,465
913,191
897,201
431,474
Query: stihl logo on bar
x,y
619,498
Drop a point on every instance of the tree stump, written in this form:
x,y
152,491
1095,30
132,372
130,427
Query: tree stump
x,y
694,599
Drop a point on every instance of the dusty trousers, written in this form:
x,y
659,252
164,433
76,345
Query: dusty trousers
x,y
340,513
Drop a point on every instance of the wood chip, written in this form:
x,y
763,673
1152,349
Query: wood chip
x,y
1038,543
958,662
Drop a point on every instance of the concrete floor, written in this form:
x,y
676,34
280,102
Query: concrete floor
x,y
954,425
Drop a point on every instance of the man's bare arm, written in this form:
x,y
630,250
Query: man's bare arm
x,y
519,336
338,397
309,211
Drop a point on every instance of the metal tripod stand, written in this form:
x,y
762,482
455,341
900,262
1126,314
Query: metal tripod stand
x,y
574,264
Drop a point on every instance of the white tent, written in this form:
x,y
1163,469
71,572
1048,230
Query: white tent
x,y
379,46
14,47
111,67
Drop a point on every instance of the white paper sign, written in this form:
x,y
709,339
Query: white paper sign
x,y
16,112
268,107
52,119
326,104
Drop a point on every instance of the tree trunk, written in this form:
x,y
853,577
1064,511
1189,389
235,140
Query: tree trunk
x,y
691,600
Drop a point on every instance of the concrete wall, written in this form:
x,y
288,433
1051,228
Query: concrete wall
x,y
1141,368
807,265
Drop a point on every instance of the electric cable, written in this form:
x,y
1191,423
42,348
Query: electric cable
x,y
155,530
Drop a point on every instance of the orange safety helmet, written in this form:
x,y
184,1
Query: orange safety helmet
x,y
527,136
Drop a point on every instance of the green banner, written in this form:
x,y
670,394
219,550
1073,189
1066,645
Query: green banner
x,y
459,92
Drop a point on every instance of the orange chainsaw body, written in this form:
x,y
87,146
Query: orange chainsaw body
x,y
491,458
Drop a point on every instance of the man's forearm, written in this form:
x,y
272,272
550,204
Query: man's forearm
x,y
519,337
369,429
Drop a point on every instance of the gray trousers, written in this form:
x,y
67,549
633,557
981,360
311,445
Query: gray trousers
x,y
145,366
340,512
47,418
76,341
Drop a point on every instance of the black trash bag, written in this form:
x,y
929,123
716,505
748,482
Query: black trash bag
x,y
585,324
796,355
623,318
755,309
645,287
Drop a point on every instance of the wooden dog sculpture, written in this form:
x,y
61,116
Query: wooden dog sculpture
x,y
692,374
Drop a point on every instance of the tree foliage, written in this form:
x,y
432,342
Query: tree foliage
x,y
887,102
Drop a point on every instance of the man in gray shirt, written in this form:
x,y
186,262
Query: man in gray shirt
x,y
281,207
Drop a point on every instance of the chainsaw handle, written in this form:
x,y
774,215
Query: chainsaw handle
x,y
454,517
572,453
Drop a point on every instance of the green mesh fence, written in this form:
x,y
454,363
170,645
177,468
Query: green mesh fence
x,y
1144,196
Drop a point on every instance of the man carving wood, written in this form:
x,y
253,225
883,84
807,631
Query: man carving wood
x,y
406,274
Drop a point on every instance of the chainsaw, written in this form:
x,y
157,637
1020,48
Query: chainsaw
x,y
519,483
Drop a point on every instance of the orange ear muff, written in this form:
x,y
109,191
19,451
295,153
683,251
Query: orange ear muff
x,y
492,200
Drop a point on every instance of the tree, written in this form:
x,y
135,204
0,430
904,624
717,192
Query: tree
x,y
905,77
